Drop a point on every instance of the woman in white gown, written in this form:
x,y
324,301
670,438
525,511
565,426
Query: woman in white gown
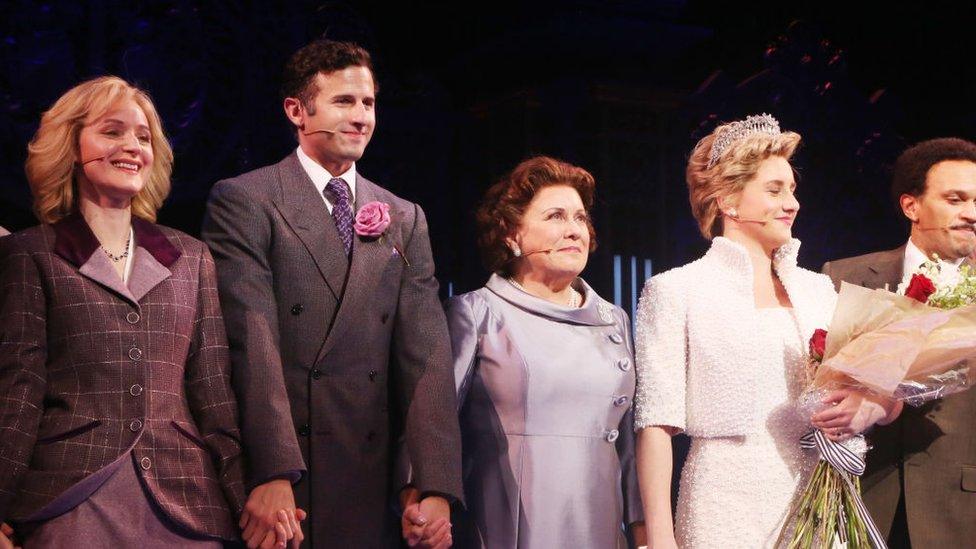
x,y
721,351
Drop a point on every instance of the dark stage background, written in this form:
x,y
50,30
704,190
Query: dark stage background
x,y
623,88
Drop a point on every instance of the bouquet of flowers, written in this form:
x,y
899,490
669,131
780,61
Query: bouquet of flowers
x,y
915,345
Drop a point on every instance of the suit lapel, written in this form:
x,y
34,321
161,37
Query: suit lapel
x,y
100,269
147,273
369,256
305,212
154,254
887,270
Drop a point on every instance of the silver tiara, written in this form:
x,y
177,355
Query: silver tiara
x,y
757,123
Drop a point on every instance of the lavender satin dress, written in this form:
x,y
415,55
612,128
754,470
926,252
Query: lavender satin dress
x,y
545,397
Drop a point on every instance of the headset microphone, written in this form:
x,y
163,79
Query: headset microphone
x,y
542,251
946,228
322,130
743,220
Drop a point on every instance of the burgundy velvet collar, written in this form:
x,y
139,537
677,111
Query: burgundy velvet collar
x,y
75,241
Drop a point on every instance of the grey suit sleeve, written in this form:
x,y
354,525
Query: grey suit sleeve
x,y
237,228
827,269
422,352
462,325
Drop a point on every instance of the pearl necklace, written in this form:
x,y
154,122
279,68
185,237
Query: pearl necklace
x,y
575,298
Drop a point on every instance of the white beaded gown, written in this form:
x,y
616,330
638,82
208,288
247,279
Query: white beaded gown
x,y
736,491
712,365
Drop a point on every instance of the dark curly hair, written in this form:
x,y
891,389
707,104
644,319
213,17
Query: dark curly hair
x,y
503,205
914,164
325,56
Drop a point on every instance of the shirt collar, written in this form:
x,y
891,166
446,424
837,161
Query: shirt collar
x,y
914,257
320,176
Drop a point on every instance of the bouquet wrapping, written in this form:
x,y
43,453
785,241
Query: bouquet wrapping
x,y
916,345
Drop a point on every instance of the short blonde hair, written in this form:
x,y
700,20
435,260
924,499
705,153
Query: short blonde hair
x,y
707,186
53,157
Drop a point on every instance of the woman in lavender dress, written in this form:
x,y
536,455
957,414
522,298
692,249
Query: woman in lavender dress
x,y
543,367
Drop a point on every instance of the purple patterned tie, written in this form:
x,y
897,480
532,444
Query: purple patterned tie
x,y
341,211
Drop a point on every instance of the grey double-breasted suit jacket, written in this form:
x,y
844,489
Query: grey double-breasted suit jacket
x,y
334,360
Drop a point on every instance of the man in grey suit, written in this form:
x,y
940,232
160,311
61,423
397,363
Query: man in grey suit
x,y
338,339
920,483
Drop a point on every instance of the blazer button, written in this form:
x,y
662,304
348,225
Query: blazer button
x,y
132,317
135,425
135,390
135,353
372,375
304,430
316,373
384,317
620,400
612,435
145,463
616,338
623,364
297,309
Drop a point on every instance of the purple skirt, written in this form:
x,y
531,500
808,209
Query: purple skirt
x,y
118,514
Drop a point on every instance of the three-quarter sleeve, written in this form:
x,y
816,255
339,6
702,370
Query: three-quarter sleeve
x,y
661,341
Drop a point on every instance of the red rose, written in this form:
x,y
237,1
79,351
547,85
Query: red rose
x,y
920,288
818,342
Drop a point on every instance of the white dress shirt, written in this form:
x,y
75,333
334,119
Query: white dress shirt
x,y
129,257
915,257
321,177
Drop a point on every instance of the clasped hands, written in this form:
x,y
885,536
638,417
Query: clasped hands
x,y
426,523
270,518
7,537
852,412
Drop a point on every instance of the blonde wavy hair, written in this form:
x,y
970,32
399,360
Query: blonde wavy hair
x,y
709,186
53,156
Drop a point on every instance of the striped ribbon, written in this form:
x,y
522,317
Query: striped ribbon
x,y
845,460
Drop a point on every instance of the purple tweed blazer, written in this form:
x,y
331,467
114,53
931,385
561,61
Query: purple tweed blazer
x,y
92,369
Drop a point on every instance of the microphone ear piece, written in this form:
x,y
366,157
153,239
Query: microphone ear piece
x,y
733,213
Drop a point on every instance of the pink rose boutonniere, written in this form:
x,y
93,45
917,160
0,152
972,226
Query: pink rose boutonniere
x,y
371,222
373,218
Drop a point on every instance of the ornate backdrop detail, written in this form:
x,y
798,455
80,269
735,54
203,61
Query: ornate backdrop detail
x,y
623,89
